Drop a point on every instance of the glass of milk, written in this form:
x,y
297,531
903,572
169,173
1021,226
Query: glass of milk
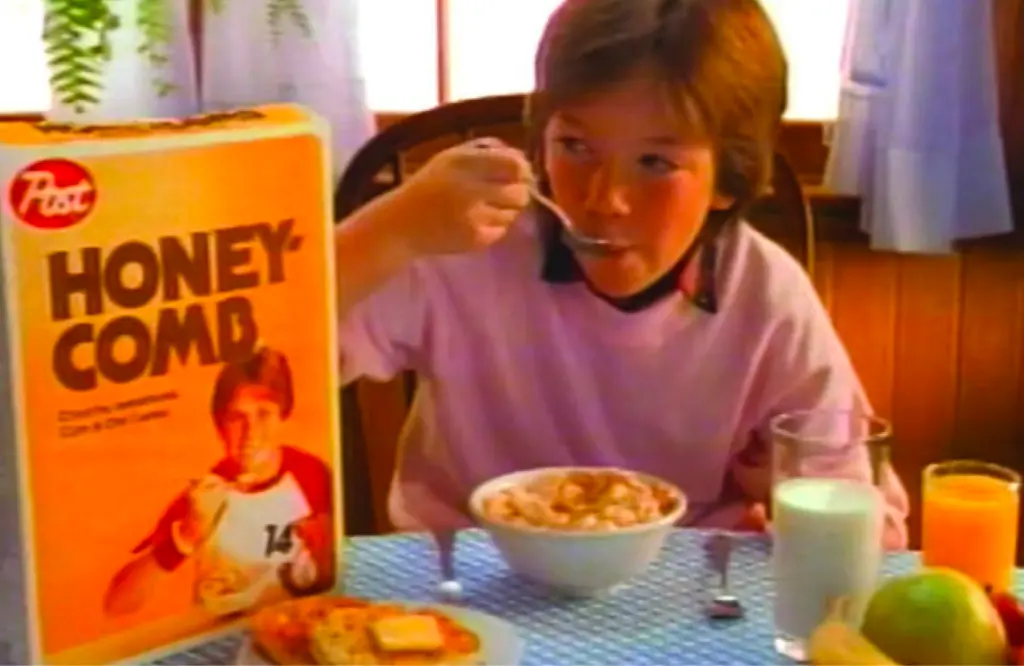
x,y
826,521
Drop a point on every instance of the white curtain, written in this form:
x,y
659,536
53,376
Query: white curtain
x,y
917,136
132,86
243,64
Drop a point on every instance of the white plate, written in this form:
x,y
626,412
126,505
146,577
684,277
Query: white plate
x,y
500,644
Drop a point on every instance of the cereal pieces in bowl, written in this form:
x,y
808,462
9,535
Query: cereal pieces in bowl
x,y
578,530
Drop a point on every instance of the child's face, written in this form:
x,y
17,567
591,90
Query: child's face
x,y
250,428
619,167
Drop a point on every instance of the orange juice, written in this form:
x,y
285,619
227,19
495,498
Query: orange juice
x,y
168,381
969,523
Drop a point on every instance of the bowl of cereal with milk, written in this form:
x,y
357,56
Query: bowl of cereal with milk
x,y
578,530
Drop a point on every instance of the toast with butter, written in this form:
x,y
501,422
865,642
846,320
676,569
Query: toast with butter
x,y
281,632
354,632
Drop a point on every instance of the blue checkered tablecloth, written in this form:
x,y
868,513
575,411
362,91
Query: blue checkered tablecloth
x,y
654,620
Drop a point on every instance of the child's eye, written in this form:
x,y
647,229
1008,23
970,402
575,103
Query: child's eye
x,y
657,164
572,145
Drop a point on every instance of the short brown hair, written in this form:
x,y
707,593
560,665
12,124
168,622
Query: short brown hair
x,y
267,368
720,60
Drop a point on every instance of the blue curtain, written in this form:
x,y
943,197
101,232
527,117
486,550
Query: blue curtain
x,y
917,137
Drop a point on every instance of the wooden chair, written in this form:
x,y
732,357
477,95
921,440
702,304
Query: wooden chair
x,y
373,413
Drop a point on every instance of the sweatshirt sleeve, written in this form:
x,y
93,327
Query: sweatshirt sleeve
x,y
384,334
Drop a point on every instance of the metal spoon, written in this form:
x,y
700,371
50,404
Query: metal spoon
x,y
449,588
578,239
724,605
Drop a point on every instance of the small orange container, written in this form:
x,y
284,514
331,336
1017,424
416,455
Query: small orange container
x,y
970,511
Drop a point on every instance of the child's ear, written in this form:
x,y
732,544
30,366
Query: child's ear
x,y
722,201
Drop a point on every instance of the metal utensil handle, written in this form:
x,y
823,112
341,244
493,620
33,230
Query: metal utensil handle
x,y
719,551
446,553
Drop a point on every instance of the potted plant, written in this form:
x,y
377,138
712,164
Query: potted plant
x,y
77,34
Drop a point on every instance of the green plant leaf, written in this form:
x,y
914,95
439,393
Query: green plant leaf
x,y
153,23
76,35
293,11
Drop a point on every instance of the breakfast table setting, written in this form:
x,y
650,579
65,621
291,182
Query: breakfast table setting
x,y
598,565
591,565
659,618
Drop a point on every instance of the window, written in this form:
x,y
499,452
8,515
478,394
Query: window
x,y
812,35
23,72
490,45
399,57
488,61
485,60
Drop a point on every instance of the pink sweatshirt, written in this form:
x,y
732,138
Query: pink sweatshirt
x,y
517,372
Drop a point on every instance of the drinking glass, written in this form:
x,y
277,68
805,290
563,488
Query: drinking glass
x,y
969,518
827,530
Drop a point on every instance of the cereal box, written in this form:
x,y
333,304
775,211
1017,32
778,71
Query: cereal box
x,y
168,380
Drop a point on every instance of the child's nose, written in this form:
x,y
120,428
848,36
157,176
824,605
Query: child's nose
x,y
606,194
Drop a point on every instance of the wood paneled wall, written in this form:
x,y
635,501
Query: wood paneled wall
x,y
939,345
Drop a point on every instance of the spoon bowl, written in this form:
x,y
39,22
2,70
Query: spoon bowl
x,y
576,238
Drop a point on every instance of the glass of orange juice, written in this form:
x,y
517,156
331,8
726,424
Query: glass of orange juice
x,y
969,520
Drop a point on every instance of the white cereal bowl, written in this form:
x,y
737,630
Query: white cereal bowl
x,y
571,562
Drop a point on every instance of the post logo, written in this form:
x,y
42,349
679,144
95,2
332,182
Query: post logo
x,y
52,194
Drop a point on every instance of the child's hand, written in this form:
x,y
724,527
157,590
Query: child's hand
x,y
301,574
755,519
207,498
464,198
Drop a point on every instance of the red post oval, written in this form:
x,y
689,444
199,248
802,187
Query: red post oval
x,y
52,194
